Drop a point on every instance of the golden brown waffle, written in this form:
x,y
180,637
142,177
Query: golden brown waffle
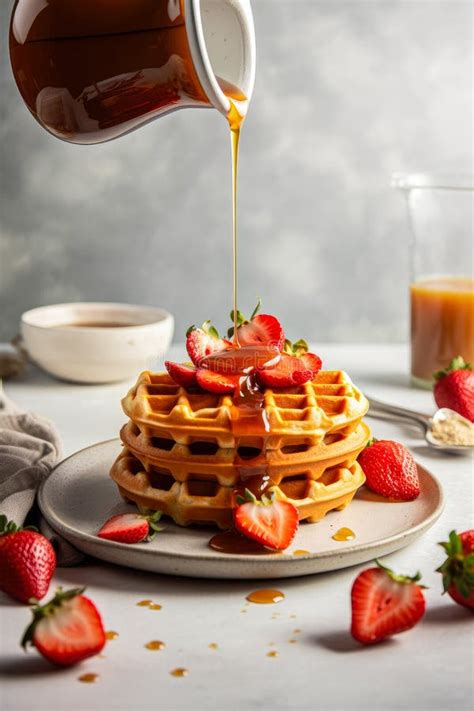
x,y
203,502
186,451
303,414
205,461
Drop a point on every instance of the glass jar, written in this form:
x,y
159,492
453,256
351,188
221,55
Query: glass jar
x,y
441,217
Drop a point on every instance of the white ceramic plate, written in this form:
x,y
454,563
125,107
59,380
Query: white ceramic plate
x,y
79,496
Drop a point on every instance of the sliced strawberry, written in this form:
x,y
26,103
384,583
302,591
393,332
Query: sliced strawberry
x,y
215,382
130,527
264,329
289,371
66,630
200,344
271,523
182,374
312,362
384,604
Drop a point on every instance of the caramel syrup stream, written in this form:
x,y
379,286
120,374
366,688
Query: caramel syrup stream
x,y
235,119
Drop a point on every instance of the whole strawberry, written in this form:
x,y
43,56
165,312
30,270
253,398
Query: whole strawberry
x,y
458,568
27,561
67,629
384,604
390,470
454,388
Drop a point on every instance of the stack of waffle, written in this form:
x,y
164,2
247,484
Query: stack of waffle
x,y
183,455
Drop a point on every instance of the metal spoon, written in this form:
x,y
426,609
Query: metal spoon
x,y
382,410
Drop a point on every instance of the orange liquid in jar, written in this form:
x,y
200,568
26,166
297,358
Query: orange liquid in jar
x,y
442,323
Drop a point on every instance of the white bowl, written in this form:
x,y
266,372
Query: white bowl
x,y
96,342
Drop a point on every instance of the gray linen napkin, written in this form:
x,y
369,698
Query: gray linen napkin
x,y
29,447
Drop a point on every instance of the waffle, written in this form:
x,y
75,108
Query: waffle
x,y
304,414
185,451
205,502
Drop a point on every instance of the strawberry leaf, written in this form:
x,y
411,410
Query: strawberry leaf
x,y
211,330
257,308
404,579
457,363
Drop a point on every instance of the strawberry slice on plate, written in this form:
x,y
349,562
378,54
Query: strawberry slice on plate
x,y
202,342
384,604
270,522
67,629
131,527
215,382
181,373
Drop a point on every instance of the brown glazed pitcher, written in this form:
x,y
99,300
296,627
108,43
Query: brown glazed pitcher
x,y
91,70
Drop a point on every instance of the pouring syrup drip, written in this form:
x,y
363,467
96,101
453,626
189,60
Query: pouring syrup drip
x,y
238,109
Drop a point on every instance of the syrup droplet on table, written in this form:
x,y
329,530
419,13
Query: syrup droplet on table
x,y
213,645
293,641
144,603
89,678
155,644
265,597
344,534
301,551
111,634
179,671
273,653
296,631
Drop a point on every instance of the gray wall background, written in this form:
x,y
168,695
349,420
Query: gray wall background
x,y
347,92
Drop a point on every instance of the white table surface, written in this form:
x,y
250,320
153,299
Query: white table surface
x,y
427,668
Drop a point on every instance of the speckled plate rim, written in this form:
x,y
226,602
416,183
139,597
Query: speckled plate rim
x,y
265,566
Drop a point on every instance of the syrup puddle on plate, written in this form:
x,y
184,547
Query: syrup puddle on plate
x,y
149,604
301,551
266,596
88,678
111,634
344,534
213,645
273,653
232,542
155,645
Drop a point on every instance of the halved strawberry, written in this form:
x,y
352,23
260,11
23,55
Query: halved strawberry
x,y
67,629
202,342
269,522
215,382
130,527
312,362
181,373
384,604
262,329
289,371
